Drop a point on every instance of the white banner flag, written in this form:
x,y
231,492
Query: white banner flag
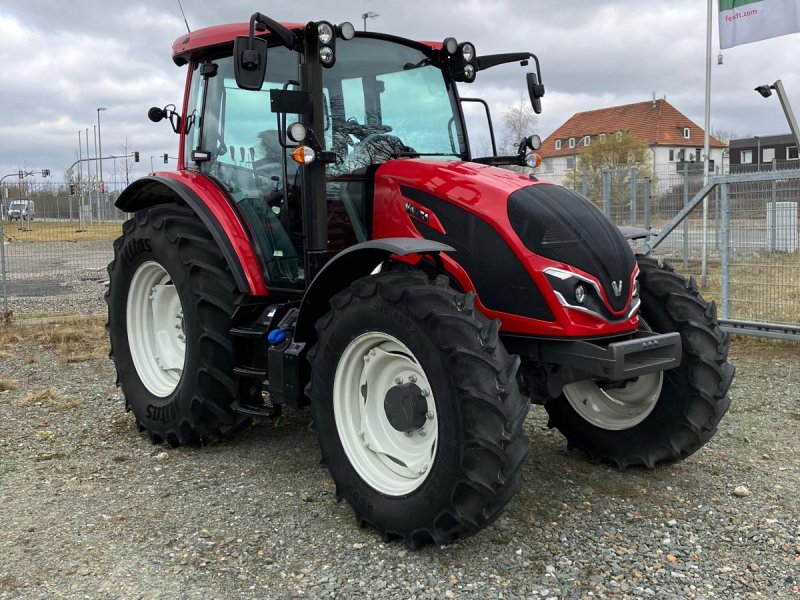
x,y
745,21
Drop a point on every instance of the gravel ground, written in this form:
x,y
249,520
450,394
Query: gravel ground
x,y
89,508
57,277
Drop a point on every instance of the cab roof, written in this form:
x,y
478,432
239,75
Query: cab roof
x,y
186,46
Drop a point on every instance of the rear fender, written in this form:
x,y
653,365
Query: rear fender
x,y
213,208
347,266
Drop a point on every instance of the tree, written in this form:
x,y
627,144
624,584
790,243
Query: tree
x,y
621,155
518,123
127,164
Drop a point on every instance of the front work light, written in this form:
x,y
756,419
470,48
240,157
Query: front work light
x,y
347,31
303,155
468,50
325,32
469,71
326,55
297,132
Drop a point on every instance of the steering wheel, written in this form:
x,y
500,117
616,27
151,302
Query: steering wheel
x,y
353,127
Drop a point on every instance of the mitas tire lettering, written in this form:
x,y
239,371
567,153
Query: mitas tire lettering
x,y
135,247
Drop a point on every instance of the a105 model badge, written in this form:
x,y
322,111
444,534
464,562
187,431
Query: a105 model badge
x,y
419,213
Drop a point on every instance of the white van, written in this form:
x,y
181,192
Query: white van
x,y
21,210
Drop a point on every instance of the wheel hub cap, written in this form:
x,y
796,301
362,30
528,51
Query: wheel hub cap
x,y
405,407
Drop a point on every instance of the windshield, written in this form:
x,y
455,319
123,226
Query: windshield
x,y
394,93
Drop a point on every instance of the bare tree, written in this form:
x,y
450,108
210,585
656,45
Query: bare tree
x,y
518,122
127,164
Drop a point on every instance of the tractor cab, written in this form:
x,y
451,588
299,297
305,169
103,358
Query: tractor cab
x,y
369,99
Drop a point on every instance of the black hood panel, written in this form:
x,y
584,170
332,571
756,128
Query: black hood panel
x,y
561,225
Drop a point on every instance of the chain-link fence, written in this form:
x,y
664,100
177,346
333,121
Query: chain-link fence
x,y
745,253
57,240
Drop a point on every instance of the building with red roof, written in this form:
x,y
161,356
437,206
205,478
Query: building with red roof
x,y
672,136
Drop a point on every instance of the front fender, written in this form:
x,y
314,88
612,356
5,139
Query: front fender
x,y
347,266
213,208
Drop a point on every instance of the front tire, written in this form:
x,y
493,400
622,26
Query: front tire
x,y
448,464
661,417
170,301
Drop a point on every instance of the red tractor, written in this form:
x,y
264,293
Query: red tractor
x,y
329,239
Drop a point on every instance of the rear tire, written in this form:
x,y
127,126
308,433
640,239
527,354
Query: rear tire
x,y
170,301
691,399
454,473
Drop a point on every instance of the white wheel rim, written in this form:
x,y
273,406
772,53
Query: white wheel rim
x,y
390,461
156,333
618,408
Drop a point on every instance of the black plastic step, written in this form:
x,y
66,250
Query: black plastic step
x,y
250,372
248,332
261,412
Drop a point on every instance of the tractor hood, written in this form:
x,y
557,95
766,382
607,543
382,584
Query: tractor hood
x,y
518,239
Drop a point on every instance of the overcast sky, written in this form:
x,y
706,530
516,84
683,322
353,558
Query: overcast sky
x,y
63,59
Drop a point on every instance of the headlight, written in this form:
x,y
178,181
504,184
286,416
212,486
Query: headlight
x,y
468,50
326,55
325,32
635,292
580,294
450,45
469,71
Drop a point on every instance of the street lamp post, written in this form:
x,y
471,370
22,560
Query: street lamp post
x,y
369,15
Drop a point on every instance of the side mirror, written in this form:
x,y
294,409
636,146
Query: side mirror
x,y
535,91
250,61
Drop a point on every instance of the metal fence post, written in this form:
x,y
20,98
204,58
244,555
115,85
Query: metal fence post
x,y
646,194
718,217
607,192
3,267
773,209
725,250
686,220
634,183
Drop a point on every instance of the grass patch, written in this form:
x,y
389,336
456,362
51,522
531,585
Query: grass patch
x,y
7,384
49,231
50,397
8,339
77,341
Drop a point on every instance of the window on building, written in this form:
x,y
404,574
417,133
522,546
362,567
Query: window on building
x,y
791,153
767,155
602,137
746,157
558,144
571,142
671,155
687,133
570,162
587,140
619,136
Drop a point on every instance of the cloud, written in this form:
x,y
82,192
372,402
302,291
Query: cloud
x,y
62,60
